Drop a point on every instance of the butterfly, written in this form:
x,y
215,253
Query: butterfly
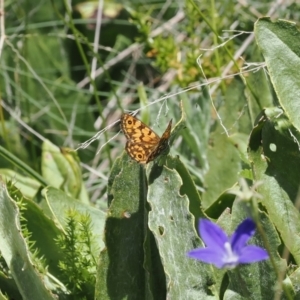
x,y
143,144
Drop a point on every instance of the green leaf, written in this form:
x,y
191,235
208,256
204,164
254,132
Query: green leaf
x,y
61,168
274,152
173,227
197,107
187,188
121,274
224,166
43,232
280,44
259,93
225,149
16,254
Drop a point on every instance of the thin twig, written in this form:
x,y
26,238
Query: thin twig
x,y
96,40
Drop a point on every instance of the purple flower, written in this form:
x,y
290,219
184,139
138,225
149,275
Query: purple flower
x,y
224,251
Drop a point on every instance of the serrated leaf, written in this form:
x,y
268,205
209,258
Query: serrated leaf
x,y
43,232
173,227
187,188
16,254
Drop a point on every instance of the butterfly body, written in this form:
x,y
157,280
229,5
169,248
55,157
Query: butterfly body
x,y
143,144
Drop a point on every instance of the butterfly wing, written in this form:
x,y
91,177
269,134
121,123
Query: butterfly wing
x,y
137,131
141,139
143,144
162,144
139,151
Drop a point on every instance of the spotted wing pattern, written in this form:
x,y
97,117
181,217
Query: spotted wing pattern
x,y
143,144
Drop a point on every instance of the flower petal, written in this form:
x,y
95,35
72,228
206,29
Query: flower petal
x,y
242,234
212,235
251,254
207,255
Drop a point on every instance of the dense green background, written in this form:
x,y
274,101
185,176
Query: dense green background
x,y
94,224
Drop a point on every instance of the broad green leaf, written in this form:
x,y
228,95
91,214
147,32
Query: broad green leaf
x,y
13,247
197,107
259,93
61,168
240,142
173,227
233,110
280,44
225,164
275,156
120,273
222,155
